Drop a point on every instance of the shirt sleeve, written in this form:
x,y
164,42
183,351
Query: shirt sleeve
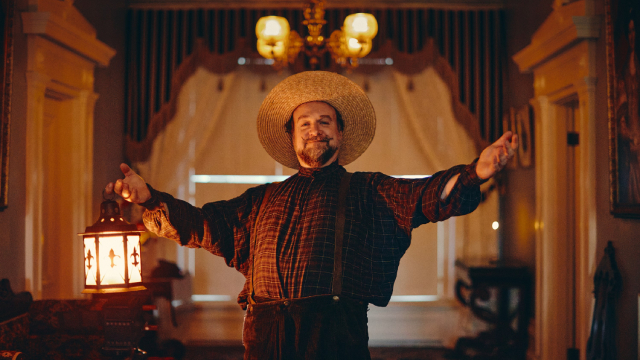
x,y
222,227
414,202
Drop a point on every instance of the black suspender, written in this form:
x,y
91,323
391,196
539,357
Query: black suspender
x,y
336,285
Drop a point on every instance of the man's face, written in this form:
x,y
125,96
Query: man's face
x,y
316,138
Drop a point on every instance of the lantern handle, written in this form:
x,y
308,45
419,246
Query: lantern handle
x,y
104,196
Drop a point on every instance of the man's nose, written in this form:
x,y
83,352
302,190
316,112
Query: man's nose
x,y
314,129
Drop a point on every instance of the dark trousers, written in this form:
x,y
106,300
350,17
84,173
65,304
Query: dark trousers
x,y
317,327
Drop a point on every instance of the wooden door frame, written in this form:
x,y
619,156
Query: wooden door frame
x,y
561,57
62,52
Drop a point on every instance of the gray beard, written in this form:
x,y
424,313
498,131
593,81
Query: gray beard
x,y
317,157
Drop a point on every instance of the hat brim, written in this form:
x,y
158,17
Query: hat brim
x,y
343,94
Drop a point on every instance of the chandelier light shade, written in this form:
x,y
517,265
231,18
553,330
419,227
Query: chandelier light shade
x,y
112,261
347,45
356,48
272,29
274,50
273,36
361,26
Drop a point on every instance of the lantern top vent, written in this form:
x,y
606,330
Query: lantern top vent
x,y
110,220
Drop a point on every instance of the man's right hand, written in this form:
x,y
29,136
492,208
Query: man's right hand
x,y
132,188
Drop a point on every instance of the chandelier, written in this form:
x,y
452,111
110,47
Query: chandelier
x,y
353,41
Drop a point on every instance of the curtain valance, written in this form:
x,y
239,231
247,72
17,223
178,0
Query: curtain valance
x,y
167,45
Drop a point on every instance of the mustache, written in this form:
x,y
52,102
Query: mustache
x,y
323,138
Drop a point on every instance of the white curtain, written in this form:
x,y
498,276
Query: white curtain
x,y
214,132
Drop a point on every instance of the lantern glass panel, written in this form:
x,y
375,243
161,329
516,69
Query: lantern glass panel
x,y
133,251
90,261
112,258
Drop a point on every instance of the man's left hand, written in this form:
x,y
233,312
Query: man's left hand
x,y
495,156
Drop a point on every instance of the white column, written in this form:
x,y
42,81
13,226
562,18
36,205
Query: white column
x,y
81,179
36,85
552,295
586,216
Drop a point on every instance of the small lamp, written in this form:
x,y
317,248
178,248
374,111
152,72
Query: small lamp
x,y
112,260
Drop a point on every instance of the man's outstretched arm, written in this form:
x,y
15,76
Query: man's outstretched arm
x,y
221,227
491,160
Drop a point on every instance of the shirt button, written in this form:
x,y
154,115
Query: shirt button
x,y
336,298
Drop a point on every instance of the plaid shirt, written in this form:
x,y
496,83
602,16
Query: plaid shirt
x,y
295,239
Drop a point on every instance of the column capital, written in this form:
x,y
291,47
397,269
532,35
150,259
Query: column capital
x,y
37,78
587,27
585,86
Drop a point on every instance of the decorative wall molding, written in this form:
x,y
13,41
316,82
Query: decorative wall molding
x,y
57,29
562,56
587,27
62,53
557,32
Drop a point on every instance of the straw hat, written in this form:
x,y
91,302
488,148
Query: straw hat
x,y
343,94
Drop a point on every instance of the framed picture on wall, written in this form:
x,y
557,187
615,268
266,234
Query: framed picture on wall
x,y
623,78
6,74
509,124
525,136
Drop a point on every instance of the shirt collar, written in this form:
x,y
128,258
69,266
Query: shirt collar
x,y
321,171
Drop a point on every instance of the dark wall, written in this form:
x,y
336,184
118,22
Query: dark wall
x,y
108,18
624,233
12,218
518,205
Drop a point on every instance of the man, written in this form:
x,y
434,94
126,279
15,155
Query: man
x,y
317,248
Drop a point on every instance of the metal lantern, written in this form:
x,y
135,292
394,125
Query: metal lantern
x,y
112,253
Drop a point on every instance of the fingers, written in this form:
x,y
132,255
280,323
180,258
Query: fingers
x,y
505,149
504,138
509,150
108,189
126,170
496,156
126,193
515,141
130,194
117,188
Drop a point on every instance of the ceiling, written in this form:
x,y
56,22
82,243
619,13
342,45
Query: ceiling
x,y
328,3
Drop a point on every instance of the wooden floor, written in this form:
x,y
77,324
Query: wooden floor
x,y
378,353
